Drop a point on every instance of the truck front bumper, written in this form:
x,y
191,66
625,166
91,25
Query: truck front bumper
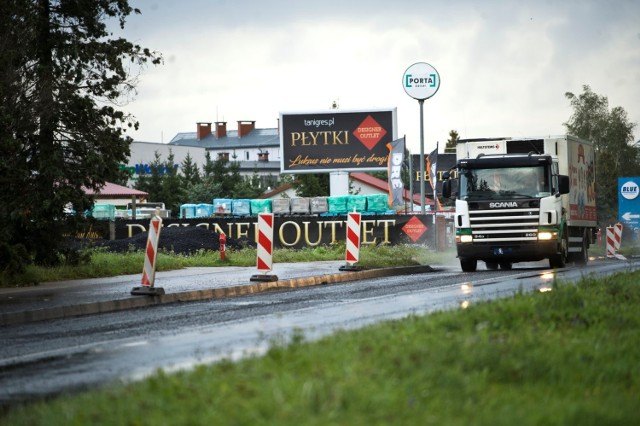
x,y
508,252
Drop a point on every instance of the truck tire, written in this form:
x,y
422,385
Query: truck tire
x,y
560,260
582,257
506,266
492,266
468,264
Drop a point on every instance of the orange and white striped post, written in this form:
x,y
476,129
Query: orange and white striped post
x,y
611,250
264,256
617,236
352,252
149,269
614,240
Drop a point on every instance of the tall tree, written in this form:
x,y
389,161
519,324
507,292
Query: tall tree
x,y
172,190
62,73
452,142
612,134
190,171
250,187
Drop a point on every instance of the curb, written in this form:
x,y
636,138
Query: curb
x,y
135,302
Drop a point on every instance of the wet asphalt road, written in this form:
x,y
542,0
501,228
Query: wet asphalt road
x,y
48,358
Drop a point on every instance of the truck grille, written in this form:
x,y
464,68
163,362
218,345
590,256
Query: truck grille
x,y
504,225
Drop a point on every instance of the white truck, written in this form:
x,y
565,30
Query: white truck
x,y
521,200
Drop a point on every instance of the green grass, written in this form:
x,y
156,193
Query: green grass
x,y
564,357
105,264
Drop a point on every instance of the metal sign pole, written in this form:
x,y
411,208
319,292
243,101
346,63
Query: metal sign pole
x,y
421,81
422,209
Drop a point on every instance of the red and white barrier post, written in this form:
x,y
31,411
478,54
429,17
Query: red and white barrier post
x,y
617,235
352,255
265,248
149,269
611,251
614,239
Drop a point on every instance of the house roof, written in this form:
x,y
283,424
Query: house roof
x,y
256,138
113,190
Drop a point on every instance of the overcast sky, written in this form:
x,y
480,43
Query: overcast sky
x,y
504,65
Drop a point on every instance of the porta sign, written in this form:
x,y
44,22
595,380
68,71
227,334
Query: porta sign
x,y
421,81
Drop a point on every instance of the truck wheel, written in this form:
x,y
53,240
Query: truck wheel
x,y
468,265
560,260
506,265
582,257
492,266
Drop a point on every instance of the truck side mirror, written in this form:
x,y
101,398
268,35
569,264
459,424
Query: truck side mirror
x,y
446,189
563,183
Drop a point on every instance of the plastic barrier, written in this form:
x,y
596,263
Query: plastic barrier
x,y
149,269
614,239
352,255
265,248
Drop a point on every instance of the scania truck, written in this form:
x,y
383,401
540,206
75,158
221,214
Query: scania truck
x,y
522,200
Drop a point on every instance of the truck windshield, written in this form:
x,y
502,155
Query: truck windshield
x,y
501,183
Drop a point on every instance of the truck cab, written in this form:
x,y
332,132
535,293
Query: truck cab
x,y
513,206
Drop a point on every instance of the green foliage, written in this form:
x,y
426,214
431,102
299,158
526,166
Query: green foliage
x,y
564,357
612,135
311,185
248,188
452,142
61,73
163,184
190,172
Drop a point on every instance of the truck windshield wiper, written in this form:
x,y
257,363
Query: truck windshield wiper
x,y
514,194
480,195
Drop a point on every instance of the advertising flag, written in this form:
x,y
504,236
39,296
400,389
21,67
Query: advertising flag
x,y
394,171
432,162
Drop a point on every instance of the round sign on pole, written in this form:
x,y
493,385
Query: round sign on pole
x,y
421,81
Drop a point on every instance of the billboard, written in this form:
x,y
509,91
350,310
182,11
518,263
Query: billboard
x,y
289,231
628,201
312,142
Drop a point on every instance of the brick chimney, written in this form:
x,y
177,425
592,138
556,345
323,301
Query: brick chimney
x,y
245,127
221,129
203,130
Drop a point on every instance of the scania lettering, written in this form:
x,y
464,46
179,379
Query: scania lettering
x,y
530,199
502,205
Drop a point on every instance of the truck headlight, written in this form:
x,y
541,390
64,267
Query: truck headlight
x,y
464,235
546,235
466,238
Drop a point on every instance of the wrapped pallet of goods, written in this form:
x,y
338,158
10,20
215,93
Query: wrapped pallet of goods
x,y
241,207
356,203
222,206
260,206
318,205
377,203
338,204
300,205
281,205
188,211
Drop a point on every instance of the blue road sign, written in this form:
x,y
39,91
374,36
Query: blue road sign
x,y
629,201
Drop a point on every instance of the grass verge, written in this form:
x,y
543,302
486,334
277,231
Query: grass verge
x,y
564,357
106,264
